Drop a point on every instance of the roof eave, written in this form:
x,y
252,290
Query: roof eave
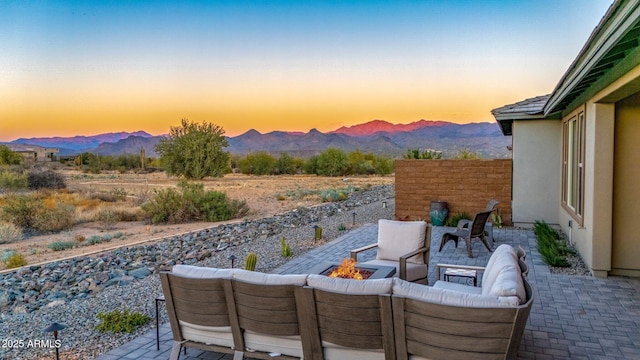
x,y
619,17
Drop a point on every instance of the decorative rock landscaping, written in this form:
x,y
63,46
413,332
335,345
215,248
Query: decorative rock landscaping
x,y
73,291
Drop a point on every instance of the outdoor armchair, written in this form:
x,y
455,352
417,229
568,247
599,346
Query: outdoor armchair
x,y
475,231
488,226
404,245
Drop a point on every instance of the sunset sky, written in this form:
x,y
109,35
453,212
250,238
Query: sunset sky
x,y
89,67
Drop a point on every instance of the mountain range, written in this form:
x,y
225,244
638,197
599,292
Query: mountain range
x,y
377,136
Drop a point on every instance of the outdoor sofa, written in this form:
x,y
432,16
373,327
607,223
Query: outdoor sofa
x,y
316,317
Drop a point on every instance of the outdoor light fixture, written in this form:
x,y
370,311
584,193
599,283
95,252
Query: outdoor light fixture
x,y
233,259
384,204
55,327
354,218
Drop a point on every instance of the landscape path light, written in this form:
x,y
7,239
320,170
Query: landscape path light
x,y
55,327
233,259
354,218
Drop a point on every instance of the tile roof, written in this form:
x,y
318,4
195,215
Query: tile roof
x,y
528,107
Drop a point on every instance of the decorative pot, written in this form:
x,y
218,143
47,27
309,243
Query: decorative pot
x,y
438,212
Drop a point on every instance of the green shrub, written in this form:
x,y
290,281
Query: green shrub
x,y
62,245
11,180
285,249
20,210
428,154
550,245
14,260
9,233
8,157
332,162
466,154
260,163
47,179
192,203
57,218
117,321
455,218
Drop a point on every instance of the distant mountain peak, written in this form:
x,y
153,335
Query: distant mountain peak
x,y
381,126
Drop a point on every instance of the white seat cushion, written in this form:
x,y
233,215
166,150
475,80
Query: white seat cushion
x,y
349,286
336,352
200,272
213,335
503,255
414,271
397,238
254,277
457,287
285,345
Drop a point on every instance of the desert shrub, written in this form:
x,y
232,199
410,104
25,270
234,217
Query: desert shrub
x,y
14,260
8,157
59,217
428,154
551,246
107,218
192,203
311,165
62,245
11,180
466,154
260,163
332,162
125,321
456,217
9,232
286,164
20,210
46,179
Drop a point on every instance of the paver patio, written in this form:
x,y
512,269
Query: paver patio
x,y
573,317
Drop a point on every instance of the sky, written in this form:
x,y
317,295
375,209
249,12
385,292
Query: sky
x,y
88,67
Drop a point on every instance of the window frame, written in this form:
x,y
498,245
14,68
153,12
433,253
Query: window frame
x,y
573,163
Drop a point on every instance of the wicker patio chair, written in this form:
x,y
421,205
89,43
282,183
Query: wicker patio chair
x,y
475,231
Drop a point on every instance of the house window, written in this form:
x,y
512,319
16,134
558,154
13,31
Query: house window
x,y
573,136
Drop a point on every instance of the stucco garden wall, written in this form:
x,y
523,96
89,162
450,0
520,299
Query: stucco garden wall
x,y
466,185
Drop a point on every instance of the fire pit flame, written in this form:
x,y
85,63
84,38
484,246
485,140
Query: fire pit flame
x,y
346,270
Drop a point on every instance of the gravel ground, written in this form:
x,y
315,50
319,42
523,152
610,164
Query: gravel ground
x,y
80,340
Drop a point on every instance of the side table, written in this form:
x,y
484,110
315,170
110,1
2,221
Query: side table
x,y
464,273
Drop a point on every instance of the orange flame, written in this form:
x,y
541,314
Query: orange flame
x,y
346,270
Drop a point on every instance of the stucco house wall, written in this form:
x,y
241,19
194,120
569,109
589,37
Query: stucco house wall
x,y
536,170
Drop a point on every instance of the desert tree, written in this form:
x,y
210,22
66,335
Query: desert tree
x,y
332,162
194,150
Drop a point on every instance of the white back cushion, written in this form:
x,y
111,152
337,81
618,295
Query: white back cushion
x,y
349,286
397,238
449,297
254,277
508,282
502,256
199,272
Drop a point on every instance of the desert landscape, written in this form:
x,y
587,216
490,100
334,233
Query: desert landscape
x,y
265,196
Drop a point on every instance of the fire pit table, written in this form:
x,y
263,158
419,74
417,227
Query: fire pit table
x,y
371,271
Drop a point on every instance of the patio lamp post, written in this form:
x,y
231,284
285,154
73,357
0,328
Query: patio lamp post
x,y
55,327
233,259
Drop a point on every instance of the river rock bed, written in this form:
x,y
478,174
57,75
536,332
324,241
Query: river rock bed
x,y
74,291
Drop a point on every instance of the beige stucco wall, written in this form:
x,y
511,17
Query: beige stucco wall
x,y
626,194
595,239
537,154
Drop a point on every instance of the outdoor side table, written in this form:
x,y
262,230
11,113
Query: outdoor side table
x,y
469,274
